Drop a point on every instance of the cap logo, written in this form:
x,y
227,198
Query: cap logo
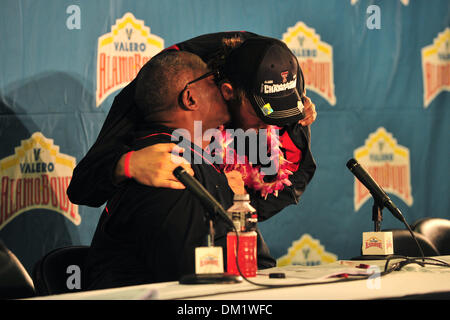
x,y
275,87
267,109
284,76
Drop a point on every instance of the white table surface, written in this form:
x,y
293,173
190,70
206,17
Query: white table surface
x,y
314,283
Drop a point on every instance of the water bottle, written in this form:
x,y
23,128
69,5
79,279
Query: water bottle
x,y
244,219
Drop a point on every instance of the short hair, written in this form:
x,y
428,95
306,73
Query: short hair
x,y
160,81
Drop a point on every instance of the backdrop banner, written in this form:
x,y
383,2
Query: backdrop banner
x,y
378,72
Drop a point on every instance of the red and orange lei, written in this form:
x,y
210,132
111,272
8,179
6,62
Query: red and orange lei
x,y
251,174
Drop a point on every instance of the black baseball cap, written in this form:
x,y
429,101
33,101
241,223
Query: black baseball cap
x,y
271,76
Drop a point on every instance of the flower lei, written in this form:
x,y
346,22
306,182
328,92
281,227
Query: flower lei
x,y
251,174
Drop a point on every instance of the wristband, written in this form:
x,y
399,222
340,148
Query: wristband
x,y
127,165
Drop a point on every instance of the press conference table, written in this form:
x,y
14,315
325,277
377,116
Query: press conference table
x,y
335,281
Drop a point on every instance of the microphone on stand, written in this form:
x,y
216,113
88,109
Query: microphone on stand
x,y
213,206
380,197
371,240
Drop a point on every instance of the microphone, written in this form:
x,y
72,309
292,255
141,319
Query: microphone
x,y
206,276
202,194
381,198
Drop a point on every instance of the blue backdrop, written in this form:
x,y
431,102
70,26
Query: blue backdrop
x,y
378,72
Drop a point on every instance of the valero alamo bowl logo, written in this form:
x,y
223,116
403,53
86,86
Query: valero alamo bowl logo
x,y
306,251
389,165
436,67
36,176
315,58
122,52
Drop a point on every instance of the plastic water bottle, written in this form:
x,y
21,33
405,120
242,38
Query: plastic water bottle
x,y
244,218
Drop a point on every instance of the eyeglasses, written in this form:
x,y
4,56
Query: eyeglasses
x,y
214,73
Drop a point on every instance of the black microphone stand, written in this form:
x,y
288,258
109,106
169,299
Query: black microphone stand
x,y
381,200
377,215
214,209
209,278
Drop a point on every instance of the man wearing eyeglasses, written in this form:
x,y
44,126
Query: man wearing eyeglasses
x,y
260,88
147,234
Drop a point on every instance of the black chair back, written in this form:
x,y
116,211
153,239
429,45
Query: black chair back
x,y
405,245
60,271
15,282
437,230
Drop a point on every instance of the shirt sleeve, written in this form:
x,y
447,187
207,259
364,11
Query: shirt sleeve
x,y
207,46
93,178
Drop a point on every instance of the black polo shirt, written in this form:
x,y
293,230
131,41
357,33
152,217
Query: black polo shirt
x,y
147,234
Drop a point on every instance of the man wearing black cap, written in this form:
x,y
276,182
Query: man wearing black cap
x,y
273,95
269,74
148,234
98,174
